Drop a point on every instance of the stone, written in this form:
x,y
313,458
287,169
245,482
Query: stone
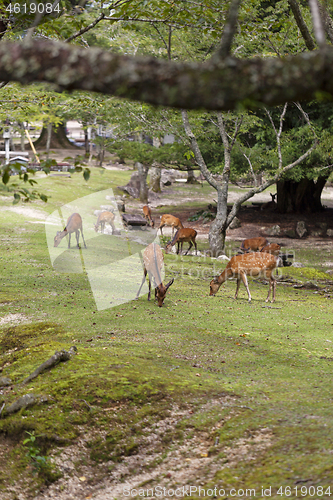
x,y
4,381
274,230
235,223
301,229
329,232
290,233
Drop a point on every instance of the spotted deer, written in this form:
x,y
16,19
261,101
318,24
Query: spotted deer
x,y
153,263
170,220
186,234
249,264
73,225
105,218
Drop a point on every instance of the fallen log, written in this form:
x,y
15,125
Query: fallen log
x,y
52,361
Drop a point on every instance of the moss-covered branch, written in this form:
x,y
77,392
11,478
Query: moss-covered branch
x,y
217,84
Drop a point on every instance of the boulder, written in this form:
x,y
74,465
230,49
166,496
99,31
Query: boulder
x,y
235,223
274,230
301,229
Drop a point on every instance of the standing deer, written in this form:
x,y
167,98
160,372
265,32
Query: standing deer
x,y
147,213
249,264
272,248
153,262
170,220
186,234
73,225
270,205
253,244
103,218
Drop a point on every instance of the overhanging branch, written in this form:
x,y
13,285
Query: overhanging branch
x,y
213,85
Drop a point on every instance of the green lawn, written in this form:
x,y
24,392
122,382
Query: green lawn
x,y
251,382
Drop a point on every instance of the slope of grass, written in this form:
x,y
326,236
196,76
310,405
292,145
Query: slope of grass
x,y
270,363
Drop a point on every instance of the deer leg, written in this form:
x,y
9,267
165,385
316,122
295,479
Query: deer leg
x,y
143,280
272,284
77,236
85,246
178,247
149,285
195,246
237,287
161,230
189,247
69,240
244,279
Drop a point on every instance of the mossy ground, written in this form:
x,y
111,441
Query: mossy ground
x,y
136,362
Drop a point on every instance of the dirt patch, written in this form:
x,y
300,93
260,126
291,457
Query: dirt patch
x,y
13,319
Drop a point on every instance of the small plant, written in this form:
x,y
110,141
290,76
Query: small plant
x,y
41,463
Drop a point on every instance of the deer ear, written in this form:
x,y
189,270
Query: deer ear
x,y
170,283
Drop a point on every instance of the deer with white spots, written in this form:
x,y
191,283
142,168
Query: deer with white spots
x,y
170,220
105,218
153,263
73,225
249,264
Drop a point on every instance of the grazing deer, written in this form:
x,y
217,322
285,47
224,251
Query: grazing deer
x,y
249,264
270,205
253,244
147,213
186,234
272,248
103,218
170,220
73,225
153,262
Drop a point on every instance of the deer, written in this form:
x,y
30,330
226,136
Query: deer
x,y
170,220
272,248
253,244
270,205
147,213
186,234
73,225
153,263
103,218
249,264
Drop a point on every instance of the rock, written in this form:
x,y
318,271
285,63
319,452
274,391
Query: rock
x,y
4,381
301,229
235,223
290,233
329,232
317,234
133,186
298,264
274,230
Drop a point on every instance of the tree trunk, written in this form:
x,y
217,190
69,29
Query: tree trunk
x,y
143,172
302,196
155,179
191,177
58,140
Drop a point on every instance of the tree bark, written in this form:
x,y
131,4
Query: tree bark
x,y
143,172
218,84
191,177
155,179
58,139
302,196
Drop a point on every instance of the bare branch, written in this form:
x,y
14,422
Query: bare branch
x,y
229,30
196,150
317,23
85,29
278,132
301,24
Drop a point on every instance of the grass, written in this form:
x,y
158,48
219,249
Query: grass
x,y
268,365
